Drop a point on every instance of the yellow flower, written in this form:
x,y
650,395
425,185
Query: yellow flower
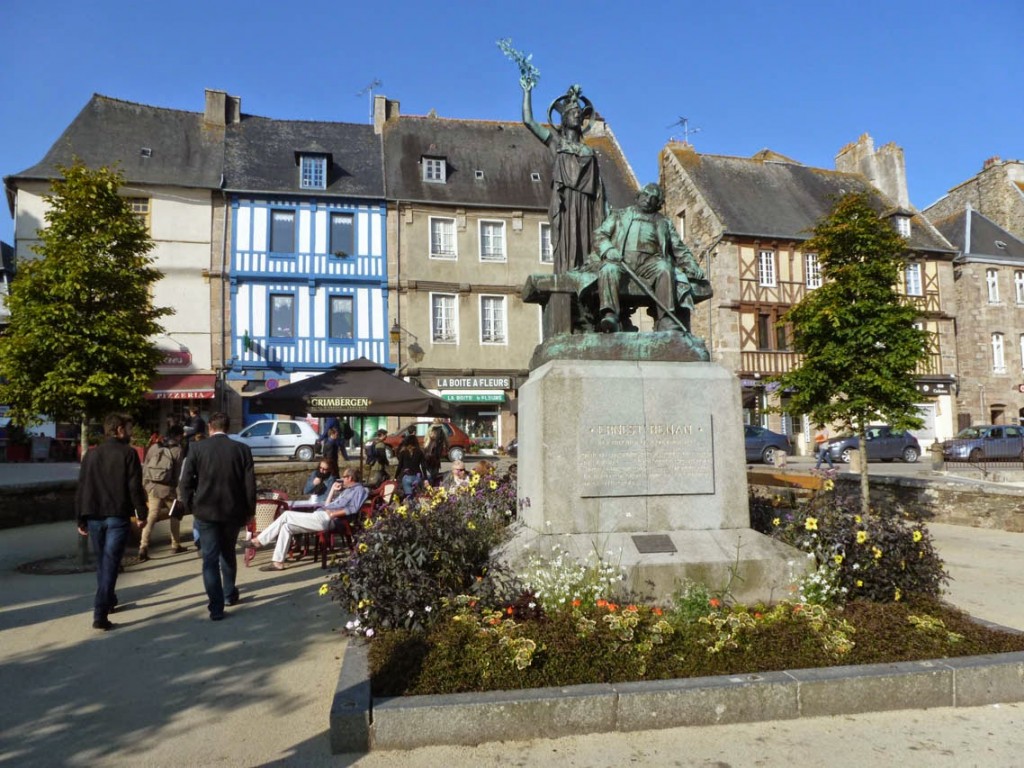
x,y
838,559
363,547
829,485
860,583
918,535
856,518
471,525
492,485
811,523
877,552
776,522
897,595
323,590
862,536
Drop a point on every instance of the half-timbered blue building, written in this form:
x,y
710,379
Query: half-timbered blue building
x,y
308,261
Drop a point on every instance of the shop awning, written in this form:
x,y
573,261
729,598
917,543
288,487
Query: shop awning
x,y
183,386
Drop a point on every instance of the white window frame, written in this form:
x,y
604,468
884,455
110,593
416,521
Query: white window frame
x,y
912,279
812,271
435,170
998,353
437,252
545,248
1018,285
1022,351
992,283
489,254
903,225
312,172
141,209
493,324
766,269
441,316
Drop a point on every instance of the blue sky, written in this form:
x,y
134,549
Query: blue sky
x,y
942,79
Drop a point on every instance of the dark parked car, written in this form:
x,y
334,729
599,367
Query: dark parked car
x,y
884,444
761,444
984,442
512,449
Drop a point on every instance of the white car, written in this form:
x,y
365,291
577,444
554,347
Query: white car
x,y
285,438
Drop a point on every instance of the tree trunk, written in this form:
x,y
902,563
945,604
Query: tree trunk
x,y
83,446
865,489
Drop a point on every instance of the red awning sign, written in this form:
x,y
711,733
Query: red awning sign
x,y
188,386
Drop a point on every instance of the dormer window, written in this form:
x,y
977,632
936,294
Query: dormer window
x,y
903,225
435,170
313,172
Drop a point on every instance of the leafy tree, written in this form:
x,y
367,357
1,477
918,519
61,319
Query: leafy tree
x,y
856,333
79,343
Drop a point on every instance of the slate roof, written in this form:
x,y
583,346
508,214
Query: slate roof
x,y
768,197
261,156
978,236
184,150
506,152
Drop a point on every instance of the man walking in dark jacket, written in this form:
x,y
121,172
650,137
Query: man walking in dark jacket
x,y
109,493
218,485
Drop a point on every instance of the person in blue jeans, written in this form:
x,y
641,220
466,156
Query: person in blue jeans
x,y
821,448
109,492
218,485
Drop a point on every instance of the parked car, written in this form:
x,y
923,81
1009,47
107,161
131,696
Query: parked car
x,y
883,444
761,444
512,449
985,442
458,441
273,437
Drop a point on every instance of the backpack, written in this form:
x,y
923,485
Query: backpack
x,y
159,466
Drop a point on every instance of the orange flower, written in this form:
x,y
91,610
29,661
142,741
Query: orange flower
x,y
575,603
613,607
758,616
630,607
509,610
602,603
657,611
714,602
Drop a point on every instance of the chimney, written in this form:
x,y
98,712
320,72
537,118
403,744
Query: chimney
x,y
994,160
886,168
384,110
222,109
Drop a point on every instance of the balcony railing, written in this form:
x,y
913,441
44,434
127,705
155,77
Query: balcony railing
x,y
768,361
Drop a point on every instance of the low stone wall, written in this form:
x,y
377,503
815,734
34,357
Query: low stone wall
x,y
36,503
934,497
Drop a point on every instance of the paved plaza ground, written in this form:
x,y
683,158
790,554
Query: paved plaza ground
x,y
171,688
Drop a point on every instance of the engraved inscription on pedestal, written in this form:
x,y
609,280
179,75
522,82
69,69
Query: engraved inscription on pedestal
x,y
663,458
653,543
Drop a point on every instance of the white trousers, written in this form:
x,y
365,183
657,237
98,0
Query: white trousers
x,y
287,525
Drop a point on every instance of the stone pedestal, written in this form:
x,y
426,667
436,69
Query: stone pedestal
x,y
645,461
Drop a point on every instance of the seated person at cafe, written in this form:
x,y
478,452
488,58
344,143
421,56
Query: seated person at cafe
x,y
345,499
321,480
457,478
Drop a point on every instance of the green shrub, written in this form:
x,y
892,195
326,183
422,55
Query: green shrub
x,y
413,554
880,557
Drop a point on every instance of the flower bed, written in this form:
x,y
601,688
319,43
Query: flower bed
x,y
446,618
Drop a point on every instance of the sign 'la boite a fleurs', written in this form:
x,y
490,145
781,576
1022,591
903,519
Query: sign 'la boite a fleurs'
x,y
338,404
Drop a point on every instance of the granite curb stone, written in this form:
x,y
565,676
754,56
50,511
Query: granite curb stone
x,y
359,723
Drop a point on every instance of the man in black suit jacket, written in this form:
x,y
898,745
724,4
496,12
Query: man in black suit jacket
x,y
218,485
109,493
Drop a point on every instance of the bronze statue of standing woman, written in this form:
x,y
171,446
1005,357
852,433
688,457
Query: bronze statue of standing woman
x,y
577,194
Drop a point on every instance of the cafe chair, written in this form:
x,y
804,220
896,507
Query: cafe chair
x,y
267,511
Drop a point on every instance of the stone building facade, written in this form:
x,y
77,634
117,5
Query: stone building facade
x,y
989,275
996,192
747,220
